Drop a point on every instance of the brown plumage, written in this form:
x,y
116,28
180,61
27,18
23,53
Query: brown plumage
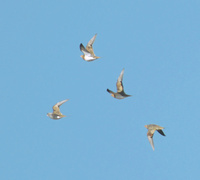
x,y
151,130
56,111
88,52
120,94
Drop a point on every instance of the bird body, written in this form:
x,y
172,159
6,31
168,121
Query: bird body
x,y
88,52
151,130
56,111
120,94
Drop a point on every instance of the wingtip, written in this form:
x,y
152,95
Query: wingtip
x,y
109,91
153,147
122,71
82,48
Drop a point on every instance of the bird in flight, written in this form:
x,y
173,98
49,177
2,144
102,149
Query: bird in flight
x,y
151,130
120,94
88,53
56,111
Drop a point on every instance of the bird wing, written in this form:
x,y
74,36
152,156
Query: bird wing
x,y
151,141
150,134
56,109
161,132
61,102
119,83
89,45
85,51
110,91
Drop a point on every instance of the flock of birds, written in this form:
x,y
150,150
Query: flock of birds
x,y
88,55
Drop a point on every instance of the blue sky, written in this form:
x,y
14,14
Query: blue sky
x,y
101,138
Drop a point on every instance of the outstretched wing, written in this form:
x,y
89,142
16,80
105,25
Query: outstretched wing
x,y
61,102
161,132
150,134
56,109
85,51
89,45
110,91
119,83
151,141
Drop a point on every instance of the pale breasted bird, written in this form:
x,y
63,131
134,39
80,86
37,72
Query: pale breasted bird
x,y
88,53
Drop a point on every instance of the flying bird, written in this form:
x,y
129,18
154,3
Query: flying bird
x,y
88,53
151,130
56,111
120,94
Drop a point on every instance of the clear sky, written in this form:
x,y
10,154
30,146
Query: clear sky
x,y
102,138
